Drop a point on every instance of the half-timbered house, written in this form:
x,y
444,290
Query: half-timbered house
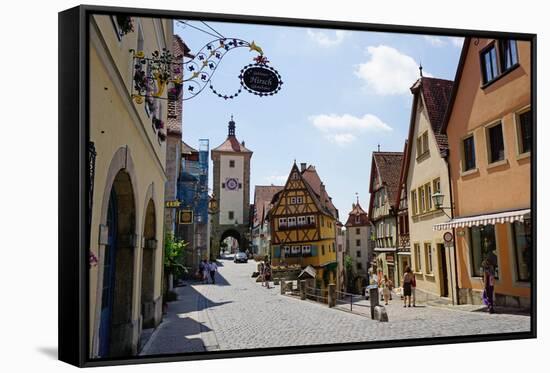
x,y
303,225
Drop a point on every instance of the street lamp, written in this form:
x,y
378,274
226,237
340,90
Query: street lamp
x,y
438,198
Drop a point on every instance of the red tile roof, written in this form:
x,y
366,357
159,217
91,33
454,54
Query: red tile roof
x,y
357,211
311,176
388,165
263,194
437,95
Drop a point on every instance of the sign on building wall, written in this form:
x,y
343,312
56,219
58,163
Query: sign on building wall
x,y
172,204
185,217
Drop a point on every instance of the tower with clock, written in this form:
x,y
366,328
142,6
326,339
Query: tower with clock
x,y
231,181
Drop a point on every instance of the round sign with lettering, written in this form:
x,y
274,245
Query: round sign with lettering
x,y
260,79
448,237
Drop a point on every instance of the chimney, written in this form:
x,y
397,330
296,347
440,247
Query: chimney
x,y
303,166
242,143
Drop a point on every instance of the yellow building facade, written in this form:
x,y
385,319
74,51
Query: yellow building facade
x,y
303,227
127,206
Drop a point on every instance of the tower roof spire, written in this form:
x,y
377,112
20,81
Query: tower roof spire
x,y
231,127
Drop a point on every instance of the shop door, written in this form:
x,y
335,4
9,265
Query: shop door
x,y
444,273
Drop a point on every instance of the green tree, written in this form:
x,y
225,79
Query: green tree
x,y
348,273
174,251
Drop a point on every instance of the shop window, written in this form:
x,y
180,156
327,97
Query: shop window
x,y
523,250
482,242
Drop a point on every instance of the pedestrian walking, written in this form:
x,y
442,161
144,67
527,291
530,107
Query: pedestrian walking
x,y
489,265
205,271
387,287
201,270
267,275
407,286
213,268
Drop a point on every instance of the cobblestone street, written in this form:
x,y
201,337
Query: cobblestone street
x,y
238,313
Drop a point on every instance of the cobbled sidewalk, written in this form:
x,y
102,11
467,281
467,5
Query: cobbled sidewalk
x,y
238,313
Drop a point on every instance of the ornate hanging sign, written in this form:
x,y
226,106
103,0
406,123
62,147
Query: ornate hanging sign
x,y
163,76
260,79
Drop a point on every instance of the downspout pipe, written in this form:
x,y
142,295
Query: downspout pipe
x,y
457,289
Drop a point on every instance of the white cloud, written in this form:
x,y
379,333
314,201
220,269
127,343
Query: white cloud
x,y
435,41
325,40
457,41
342,138
344,129
388,71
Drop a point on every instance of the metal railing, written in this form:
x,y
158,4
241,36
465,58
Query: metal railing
x,y
345,300
317,294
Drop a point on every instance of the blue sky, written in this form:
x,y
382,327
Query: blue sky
x,y
344,93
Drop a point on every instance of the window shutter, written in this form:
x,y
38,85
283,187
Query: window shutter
x,y
314,250
277,251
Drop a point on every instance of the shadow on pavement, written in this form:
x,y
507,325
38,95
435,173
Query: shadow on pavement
x,y
181,328
220,281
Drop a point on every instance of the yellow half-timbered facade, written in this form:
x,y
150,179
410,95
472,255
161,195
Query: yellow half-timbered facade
x,y
303,225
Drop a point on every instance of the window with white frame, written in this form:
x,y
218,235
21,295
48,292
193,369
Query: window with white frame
x,y
292,200
282,222
417,258
299,200
301,220
306,250
414,203
291,221
296,250
287,250
311,219
422,200
429,257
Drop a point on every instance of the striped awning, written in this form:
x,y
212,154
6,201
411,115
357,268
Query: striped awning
x,y
384,249
487,219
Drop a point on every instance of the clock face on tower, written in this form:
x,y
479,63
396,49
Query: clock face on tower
x,y
232,183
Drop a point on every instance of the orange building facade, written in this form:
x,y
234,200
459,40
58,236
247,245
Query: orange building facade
x,y
489,127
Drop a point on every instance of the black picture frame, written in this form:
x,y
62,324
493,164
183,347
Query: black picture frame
x,y
74,183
